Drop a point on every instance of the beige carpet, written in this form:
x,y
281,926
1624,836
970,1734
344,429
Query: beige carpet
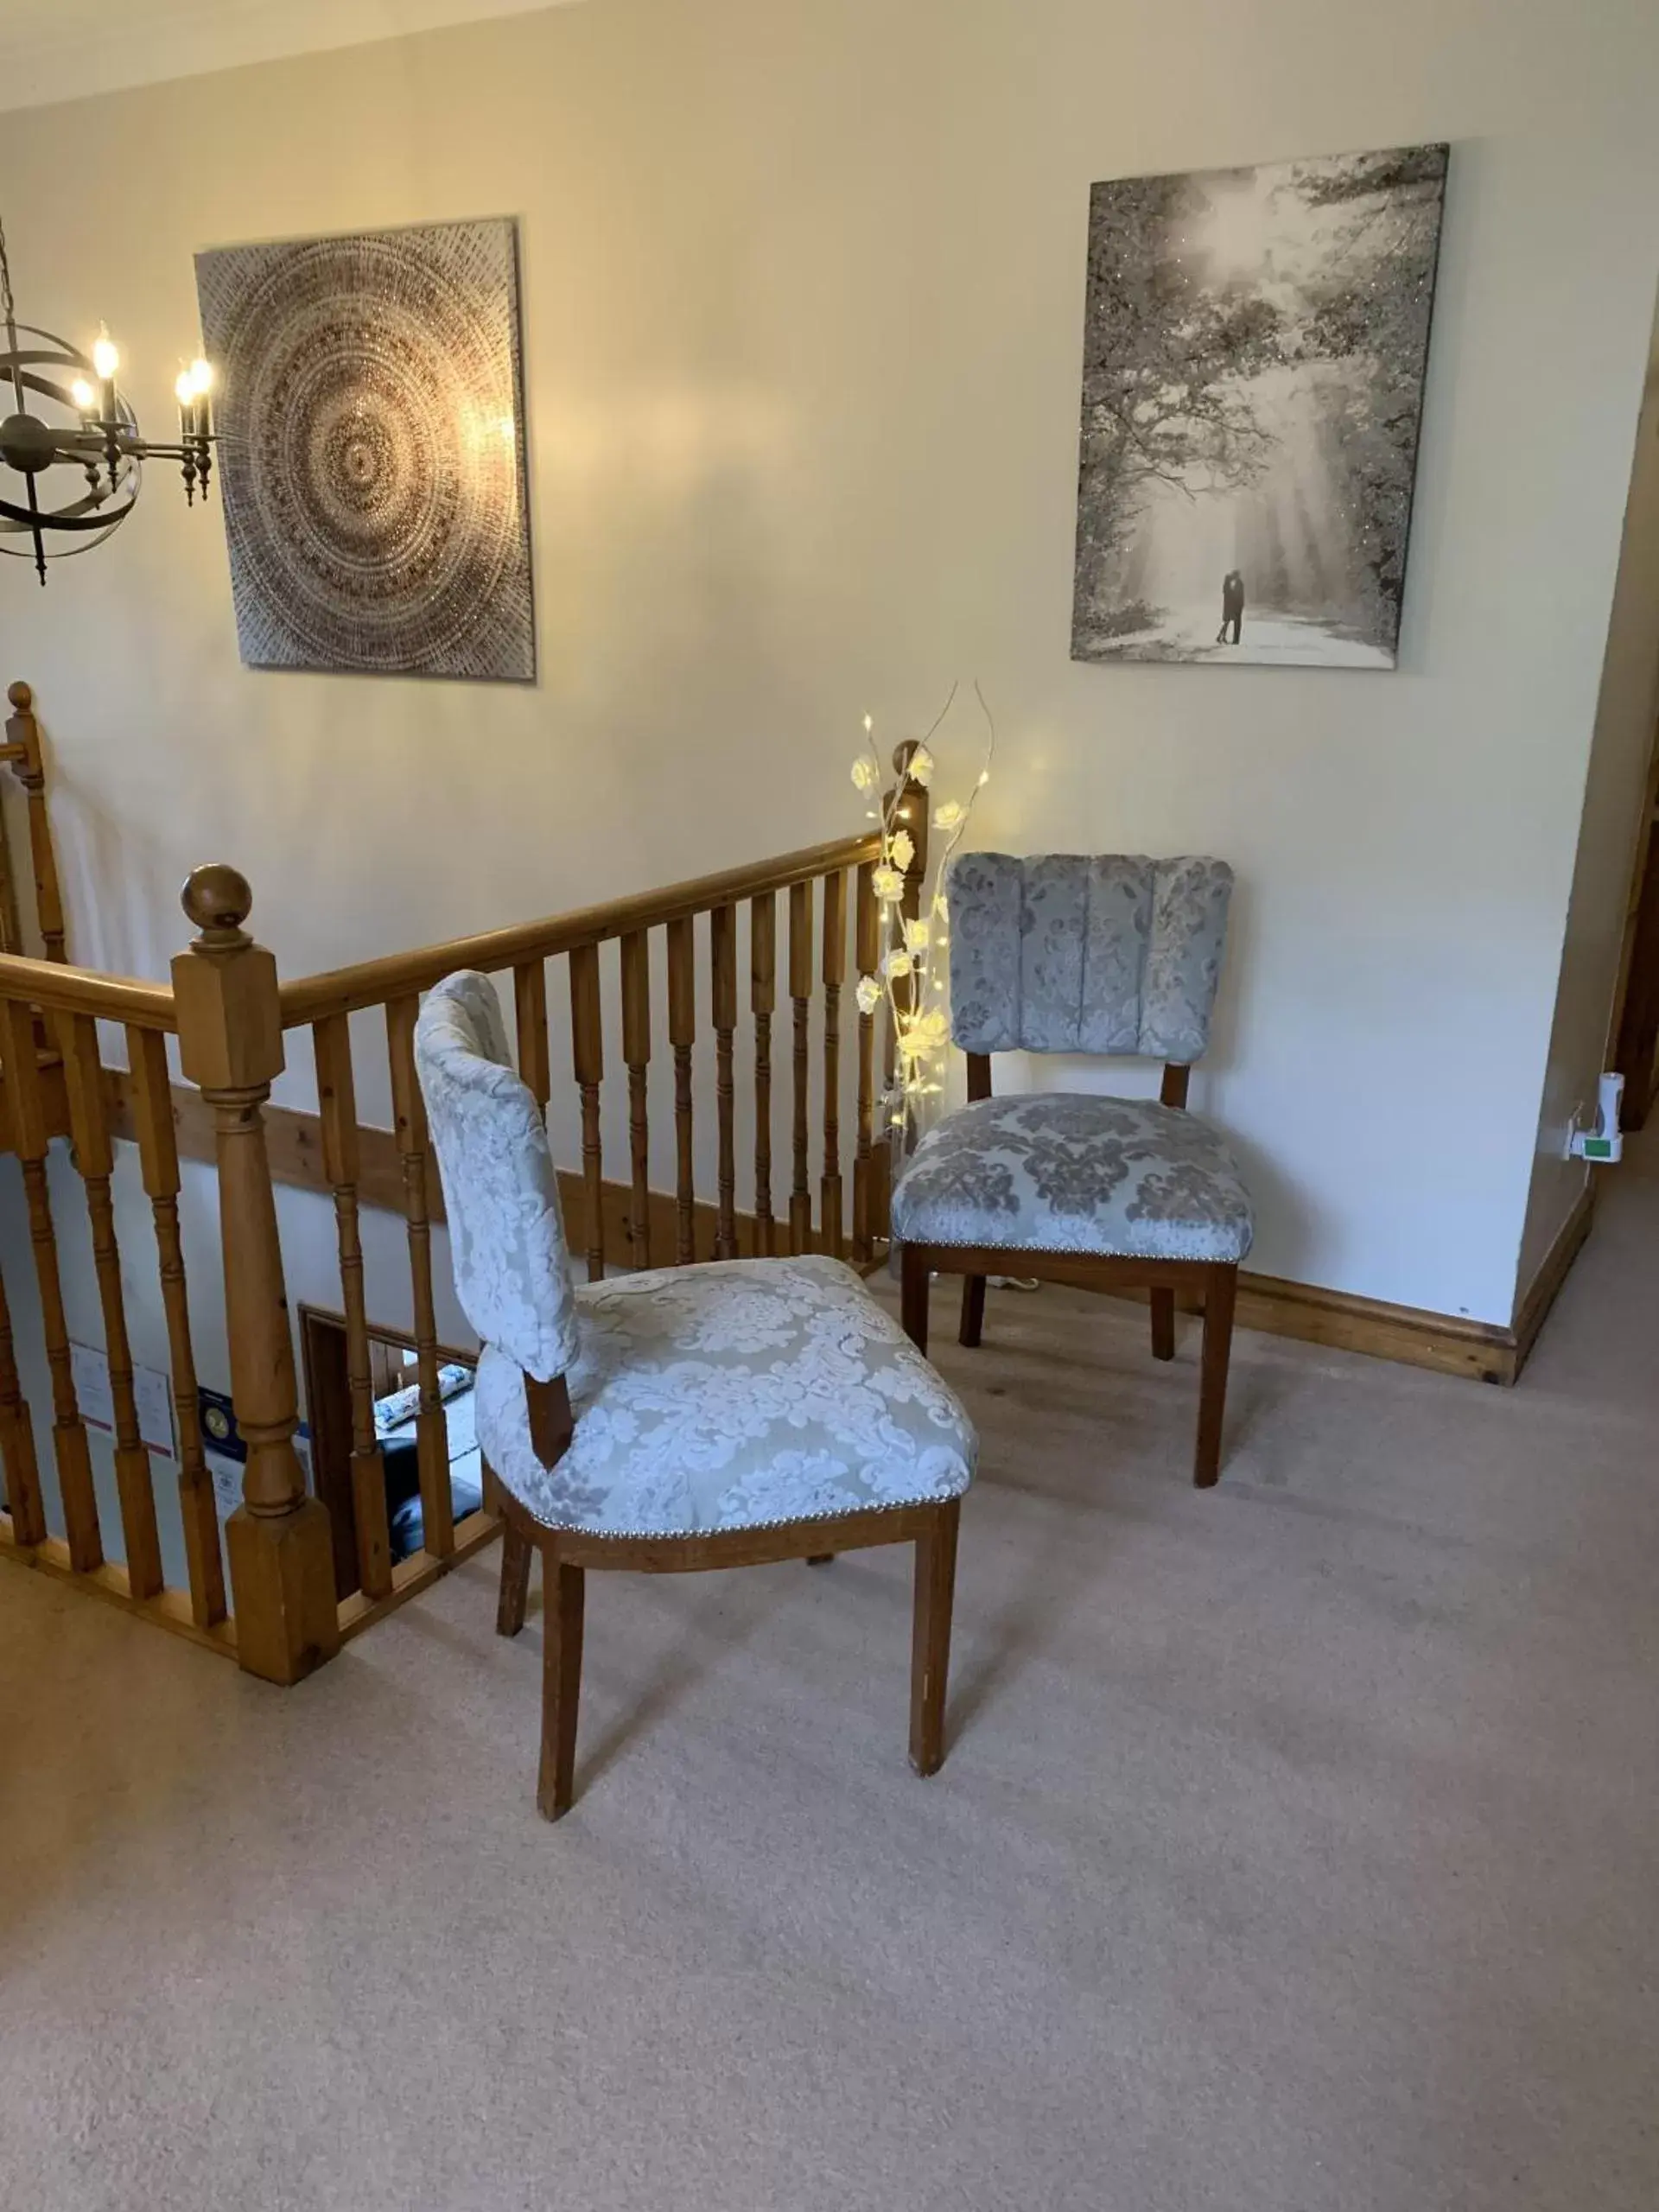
x,y
1296,1851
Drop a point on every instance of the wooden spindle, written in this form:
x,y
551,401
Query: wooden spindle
x,y
530,1004
414,1151
29,765
331,1039
231,1046
834,970
158,1160
29,1134
800,992
867,956
681,1035
588,1055
89,1127
723,952
11,929
763,995
17,1452
636,1053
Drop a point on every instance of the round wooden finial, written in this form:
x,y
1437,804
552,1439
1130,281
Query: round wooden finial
x,y
21,698
216,899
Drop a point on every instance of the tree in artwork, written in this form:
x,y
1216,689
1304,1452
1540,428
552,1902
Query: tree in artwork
x,y
1253,369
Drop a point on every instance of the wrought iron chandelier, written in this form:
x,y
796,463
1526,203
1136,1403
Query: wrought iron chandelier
x,y
90,427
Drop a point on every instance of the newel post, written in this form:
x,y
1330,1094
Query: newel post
x,y
231,1046
910,813
29,765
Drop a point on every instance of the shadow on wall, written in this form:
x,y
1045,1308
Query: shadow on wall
x,y
1283,1208
116,880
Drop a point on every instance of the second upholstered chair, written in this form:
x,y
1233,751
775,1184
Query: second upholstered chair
x,y
1108,954
721,1415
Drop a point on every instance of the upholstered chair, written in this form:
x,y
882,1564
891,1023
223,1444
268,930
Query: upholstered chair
x,y
1113,954
724,1414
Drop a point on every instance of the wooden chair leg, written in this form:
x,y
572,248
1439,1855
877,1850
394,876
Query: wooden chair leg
x,y
1163,1324
973,1311
515,1581
1221,1288
563,1591
913,1294
930,1658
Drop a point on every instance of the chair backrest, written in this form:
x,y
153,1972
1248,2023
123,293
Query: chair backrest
x,y
1073,953
506,1234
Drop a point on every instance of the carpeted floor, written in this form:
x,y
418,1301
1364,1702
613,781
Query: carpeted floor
x,y
1296,1851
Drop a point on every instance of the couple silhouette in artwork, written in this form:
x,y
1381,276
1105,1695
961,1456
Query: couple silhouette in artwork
x,y
1232,607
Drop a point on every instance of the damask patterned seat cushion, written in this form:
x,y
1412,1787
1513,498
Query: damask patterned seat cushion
x,y
734,1394
1062,1171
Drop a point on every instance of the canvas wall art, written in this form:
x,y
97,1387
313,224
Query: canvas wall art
x,y
370,415
1254,360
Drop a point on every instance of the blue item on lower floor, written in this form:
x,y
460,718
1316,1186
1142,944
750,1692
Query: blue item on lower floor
x,y
405,1523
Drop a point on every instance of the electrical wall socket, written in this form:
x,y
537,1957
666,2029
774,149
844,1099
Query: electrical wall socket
x,y
1603,1142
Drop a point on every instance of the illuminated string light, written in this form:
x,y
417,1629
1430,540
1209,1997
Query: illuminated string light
x,y
908,976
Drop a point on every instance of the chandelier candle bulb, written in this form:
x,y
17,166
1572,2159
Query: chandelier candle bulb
x,y
105,360
68,415
201,385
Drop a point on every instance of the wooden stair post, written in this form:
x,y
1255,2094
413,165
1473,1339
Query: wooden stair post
x,y
22,749
910,813
230,1047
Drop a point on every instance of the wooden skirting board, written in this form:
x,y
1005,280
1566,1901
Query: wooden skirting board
x,y
1444,1342
1541,1294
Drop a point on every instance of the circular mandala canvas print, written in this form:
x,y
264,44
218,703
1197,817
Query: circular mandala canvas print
x,y
372,450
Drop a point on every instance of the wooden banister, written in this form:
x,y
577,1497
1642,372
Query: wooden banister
x,y
375,982
231,1046
56,987
282,1558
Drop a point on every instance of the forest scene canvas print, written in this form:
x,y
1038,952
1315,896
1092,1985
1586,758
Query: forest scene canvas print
x,y
1253,359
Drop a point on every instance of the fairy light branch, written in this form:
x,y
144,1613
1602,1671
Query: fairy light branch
x,y
911,976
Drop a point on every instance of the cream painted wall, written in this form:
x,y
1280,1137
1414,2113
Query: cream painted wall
x,y
803,288
67,49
